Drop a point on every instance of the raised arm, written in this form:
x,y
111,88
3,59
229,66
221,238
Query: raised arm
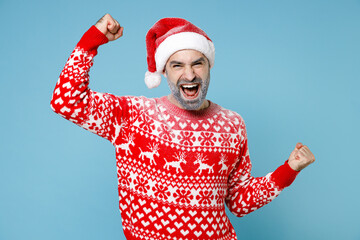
x,y
72,98
247,193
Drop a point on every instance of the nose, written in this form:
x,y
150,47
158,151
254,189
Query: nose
x,y
189,73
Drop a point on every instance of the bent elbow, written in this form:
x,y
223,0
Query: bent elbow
x,y
58,105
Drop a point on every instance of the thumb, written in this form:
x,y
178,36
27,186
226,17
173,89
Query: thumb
x,y
298,146
294,153
119,33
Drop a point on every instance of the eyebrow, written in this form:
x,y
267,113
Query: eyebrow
x,y
201,59
175,62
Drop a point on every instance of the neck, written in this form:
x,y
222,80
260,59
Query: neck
x,y
204,105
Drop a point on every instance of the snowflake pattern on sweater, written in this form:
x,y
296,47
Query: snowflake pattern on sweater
x,y
176,169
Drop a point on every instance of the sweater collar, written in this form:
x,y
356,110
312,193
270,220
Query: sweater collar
x,y
208,112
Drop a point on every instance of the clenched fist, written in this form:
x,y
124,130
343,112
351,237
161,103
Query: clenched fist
x,y
110,27
301,157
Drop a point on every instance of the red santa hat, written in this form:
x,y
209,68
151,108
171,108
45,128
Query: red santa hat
x,y
168,36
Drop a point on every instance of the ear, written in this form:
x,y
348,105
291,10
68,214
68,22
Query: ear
x,y
164,73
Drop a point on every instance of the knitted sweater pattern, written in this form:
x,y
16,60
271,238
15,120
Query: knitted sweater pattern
x,y
176,169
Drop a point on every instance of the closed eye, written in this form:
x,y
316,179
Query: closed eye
x,y
200,61
175,64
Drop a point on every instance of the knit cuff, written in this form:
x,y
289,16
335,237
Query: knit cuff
x,y
91,40
284,176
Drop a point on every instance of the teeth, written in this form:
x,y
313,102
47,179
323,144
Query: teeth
x,y
189,86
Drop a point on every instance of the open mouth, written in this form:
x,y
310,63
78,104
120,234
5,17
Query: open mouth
x,y
190,91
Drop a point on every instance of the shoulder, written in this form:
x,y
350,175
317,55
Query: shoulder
x,y
124,102
232,118
138,104
130,100
231,115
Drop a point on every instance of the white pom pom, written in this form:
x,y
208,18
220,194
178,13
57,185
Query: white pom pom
x,y
152,80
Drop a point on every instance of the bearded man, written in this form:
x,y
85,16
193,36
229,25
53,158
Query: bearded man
x,y
180,158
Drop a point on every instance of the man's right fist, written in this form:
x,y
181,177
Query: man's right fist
x,y
110,27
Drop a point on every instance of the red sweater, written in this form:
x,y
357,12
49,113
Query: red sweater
x,y
176,169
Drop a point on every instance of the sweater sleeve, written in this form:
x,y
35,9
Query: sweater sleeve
x,y
247,193
100,113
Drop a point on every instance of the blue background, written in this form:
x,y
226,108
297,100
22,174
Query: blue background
x,y
290,68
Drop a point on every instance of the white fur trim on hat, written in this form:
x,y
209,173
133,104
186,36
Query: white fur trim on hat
x,y
181,41
152,80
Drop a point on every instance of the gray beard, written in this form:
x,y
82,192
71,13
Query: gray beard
x,y
193,104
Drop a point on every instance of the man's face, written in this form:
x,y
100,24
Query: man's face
x,y
188,75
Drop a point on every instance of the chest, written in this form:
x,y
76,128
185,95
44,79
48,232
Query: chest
x,y
176,148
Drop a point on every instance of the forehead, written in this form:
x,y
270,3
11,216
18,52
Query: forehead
x,y
186,56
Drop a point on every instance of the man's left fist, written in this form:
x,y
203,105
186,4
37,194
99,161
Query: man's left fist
x,y
301,157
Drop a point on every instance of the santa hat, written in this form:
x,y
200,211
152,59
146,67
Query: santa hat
x,y
168,36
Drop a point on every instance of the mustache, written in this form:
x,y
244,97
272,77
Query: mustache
x,y
183,81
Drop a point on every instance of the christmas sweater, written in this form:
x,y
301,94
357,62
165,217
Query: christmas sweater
x,y
176,169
